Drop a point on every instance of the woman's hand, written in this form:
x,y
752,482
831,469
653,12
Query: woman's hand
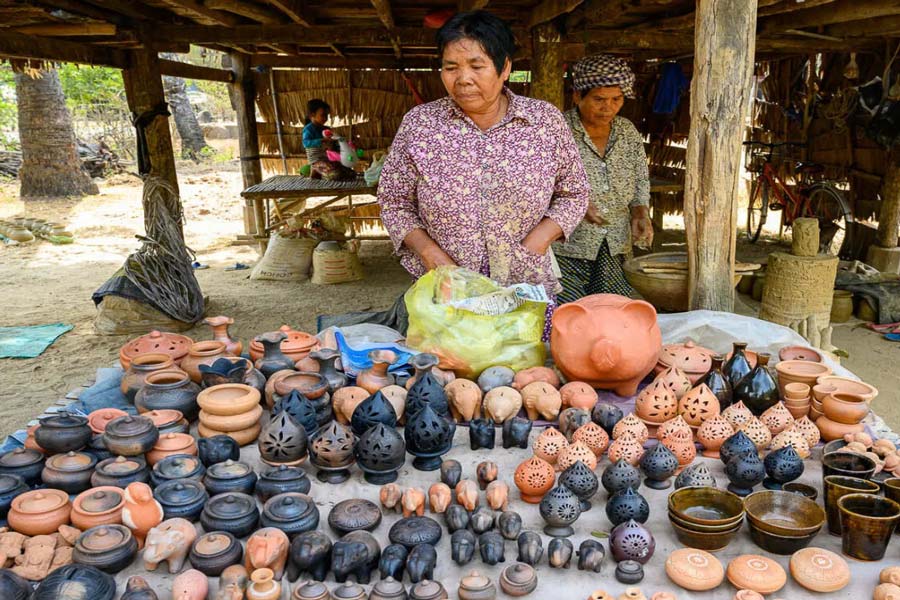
x,y
593,215
539,239
641,227
435,256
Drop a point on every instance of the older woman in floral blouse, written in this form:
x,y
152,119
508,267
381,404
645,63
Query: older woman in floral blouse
x,y
482,178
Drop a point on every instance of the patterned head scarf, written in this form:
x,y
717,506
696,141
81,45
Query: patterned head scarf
x,y
603,70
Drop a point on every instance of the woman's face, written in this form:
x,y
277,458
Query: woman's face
x,y
600,104
470,76
320,117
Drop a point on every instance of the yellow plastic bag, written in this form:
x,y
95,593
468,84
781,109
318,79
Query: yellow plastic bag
x,y
466,342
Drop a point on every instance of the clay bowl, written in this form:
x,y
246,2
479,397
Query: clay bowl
x,y
847,464
820,390
706,506
800,371
674,518
834,446
796,391
783,513
849,386
799,353
801,489
667,291
704,541
848,409
832,430
780,544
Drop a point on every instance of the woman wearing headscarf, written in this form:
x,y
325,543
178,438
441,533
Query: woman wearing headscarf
x,y
612,151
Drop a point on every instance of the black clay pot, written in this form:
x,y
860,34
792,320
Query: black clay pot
x,y
373,410
744,471
696,475
451,472
281,480
131,435
177,466
737,367
292,513
76,582
63,432
354,515
169,390
282,441
380,453
232,512
428,436
582,481
456,517
606,416
620,475
120,471
737,444
218,448
782,466
13,587
482,434
462,546
560,508
97,447
10,487
427,391
530,548
658,464
718,383
213,552
24,462
509,523
412,531
110,548
758,390
273,359
232,370
482,519
625,505
516,432
491,548
332,451
230,476
70,472
301,409
311,553
629,572
184,498
326,358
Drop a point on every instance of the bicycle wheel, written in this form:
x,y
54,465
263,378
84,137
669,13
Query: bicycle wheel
x,y
757,209
828,205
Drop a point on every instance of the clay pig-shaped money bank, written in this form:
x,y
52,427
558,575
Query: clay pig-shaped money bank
x,y
608,341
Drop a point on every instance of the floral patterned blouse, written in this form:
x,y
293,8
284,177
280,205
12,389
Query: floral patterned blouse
x,y
619,181
479,193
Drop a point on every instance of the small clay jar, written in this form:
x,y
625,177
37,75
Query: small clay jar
x,y
109,548
576,451
230,476
232,512
141,366
169,444
98,506
119,471
70,472
475,586
24,462
628,448
169,390
777,418
281,480
633,425
380,453
534,477
202,353
130,435
213,552
177,466
593,436
316,590
518,580
63,432
219,327
217,448
169,421
386,589
376,377
39,512
629,572
744,472
291,512
758,390
181,498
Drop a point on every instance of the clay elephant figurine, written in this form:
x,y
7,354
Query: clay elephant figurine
x,y
516,432
169,541
535,374
137,588
482,519
420,562
393,561
267,548
310,553
571,419
456,517
356,554
486,472
497,495
502,403
590,556
531,548
439,496
541,400
413,502
462,546
464,397
491,547
482,434
559,553
390,495
232,583
467,494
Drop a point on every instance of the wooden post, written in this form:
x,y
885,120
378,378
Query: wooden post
x,y
243,95
546,64
278,130
724,48
889,215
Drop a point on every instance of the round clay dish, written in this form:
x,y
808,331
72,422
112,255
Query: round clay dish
x,y
820,570
228,399
172,344
695,570
758,573
799,353
413,531
353,515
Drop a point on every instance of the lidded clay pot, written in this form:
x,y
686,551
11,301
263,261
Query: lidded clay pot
x,y
280,480
172,344
184,498
331,451
385,589
316,590
100,418
476,586
235,513
40,512
820,570
202,353
549,444
109,548
120,471
169,444
70,472
98,506
695,570
141,366
177,466
292,513
24,462
230,476
63,432
758,573
213,552
518,579
10,487
693,360
130,435
534,477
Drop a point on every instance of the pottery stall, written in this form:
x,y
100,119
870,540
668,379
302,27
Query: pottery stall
x,y
699,469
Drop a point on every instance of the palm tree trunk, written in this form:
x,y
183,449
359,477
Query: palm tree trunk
x,y
50,163
192,140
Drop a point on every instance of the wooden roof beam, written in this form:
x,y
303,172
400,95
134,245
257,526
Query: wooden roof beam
x,y
200,10
68,29
839,11
347,62
189,71
134,10
550,9
274,34
19,45
383,9
254,12
82,9
884,26
293,9
470,5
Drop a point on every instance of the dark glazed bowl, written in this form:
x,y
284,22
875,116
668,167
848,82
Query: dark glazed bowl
x,y
674,518
706,505
847,465
867,524
704,541
783,513
780,544
801,488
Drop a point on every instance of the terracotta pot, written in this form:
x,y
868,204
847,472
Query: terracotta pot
x,y
670,427
573,453
737,414
98,419
676,380
168,421
141,366
263,586
312,385
130,435
809,431
168,390
202,353
848,409
228,399
173,344
792,438
98,506
682,446
376,377
40,512
832,430
847,385
243,437
797,391
693,360
232,422
297,345
607,341
800,371
534,478
758,433
219,327
169,444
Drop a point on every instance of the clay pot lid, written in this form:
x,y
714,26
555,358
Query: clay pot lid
x,y
695,570
71,462
289,506
100,418
687,356
354,514
9,483
799,353
63,420
231,505
172,344
296,341
103,538
389,587
311,385
169,442
177,492
129,426
162,418
519,574
757,573
475,582
427,589
99,500
412,531
802,368
283,473
38,502
819,570
316,590
348,590
229,469
20,457
213,543
121,465
178,466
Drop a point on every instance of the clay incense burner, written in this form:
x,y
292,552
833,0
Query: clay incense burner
x,y
428,436
332,453
380,453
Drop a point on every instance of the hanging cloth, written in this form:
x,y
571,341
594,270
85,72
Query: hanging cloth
x,y
140,122
416,95
672,83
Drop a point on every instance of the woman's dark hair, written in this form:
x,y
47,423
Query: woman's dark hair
x,y
490,31
313,106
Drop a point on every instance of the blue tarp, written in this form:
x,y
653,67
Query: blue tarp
x,y
29,341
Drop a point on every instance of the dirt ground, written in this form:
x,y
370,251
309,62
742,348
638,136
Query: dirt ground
x,y
43,283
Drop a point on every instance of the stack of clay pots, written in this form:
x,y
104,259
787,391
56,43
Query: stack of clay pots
x,y
232,409
843,413
797,399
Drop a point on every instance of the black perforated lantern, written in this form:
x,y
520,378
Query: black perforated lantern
x,y
380,453
373,410
301,410
426,390
582,481
428,436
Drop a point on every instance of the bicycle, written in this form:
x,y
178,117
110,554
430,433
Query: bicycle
x,y
820,199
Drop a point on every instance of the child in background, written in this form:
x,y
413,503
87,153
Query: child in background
x,y
314,142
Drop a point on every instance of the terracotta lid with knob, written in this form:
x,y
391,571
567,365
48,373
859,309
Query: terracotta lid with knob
x,y
755,572
170,442
518,579
312,590
20,457
172,344
388,589
40,501
349,591
122,465
103,538
820,570
99,500
98,419
475,585
213,543
428,590
694,360
695,570
71,462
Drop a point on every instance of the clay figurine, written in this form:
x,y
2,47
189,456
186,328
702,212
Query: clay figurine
x,y
356,554
169,541
577,394
456,517
390,496
190,585
516,432
141,512
413,502
267,548
510,524
439,497
530,548
491,547
482,434
541,400
467,494
486,472
232,583
531,375
464,397
571,419
497,495
310,553
494,377
482,520
393,561
420,562
462,546
37,558
559,553
451,472
590,556
137,588
502,403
